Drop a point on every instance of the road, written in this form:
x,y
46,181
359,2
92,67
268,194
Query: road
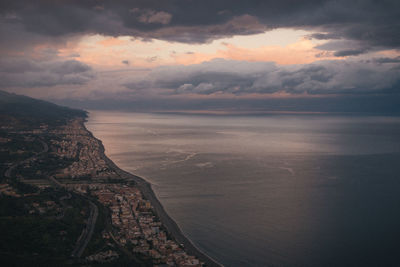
x,y
87,232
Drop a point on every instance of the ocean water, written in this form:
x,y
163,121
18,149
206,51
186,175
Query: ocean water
x,y
279,190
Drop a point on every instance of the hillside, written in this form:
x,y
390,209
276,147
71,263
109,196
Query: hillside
x,y
33,111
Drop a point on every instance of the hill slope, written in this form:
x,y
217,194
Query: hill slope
x,y
34,110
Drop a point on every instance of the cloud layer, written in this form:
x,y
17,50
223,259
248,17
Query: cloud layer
x,y
380,75
371,24
38,39
29,73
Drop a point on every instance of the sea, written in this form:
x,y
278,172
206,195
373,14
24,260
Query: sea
x,y
269,190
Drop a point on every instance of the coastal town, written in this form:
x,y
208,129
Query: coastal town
x,y
77,170
136,226
77,143
134,223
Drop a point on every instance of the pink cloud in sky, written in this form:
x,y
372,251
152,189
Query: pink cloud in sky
x,y
300,52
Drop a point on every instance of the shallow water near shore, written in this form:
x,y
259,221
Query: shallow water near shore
x,y
291,190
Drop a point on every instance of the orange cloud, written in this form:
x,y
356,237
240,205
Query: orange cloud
x,y
301,52
390,53
112,42
110,52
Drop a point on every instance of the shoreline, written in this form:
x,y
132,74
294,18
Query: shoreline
x,y
148,193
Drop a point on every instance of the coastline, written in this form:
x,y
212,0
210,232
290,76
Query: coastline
x,y
148,193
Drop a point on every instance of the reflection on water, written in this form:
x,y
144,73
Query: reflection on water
x,y
272,190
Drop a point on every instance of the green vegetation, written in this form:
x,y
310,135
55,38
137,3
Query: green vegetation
x,y
32,112
38,227
97,242
22,188
41,227
47,164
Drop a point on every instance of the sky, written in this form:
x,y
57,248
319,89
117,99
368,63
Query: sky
x,y
204,56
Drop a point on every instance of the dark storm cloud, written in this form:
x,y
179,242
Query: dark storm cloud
x,y
324,36
29,73
350,52
184,21
344,48
240,77
373,23
385,60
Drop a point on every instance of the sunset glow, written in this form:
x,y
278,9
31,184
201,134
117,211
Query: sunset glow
x,y
154,54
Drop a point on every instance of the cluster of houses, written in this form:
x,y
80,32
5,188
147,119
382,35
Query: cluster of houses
x,y
103,256
138,228
85,151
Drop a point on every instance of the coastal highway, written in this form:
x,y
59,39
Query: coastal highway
x,y
87,232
